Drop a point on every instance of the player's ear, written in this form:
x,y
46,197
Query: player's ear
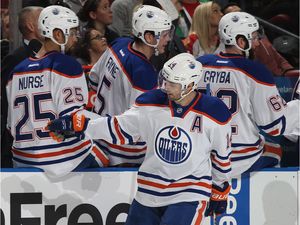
x,y
58,35
240,41
189,87
149,38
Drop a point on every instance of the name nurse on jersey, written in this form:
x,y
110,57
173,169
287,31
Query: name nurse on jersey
x,y
31,82
173,145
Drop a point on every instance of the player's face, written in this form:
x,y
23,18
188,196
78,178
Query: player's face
x,y
164,40
173,90
255,40
72,40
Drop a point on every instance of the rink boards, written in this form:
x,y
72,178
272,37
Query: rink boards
x,y
269,197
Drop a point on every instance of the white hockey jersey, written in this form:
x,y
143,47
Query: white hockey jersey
x,y
38,91
188,148
292,130
249,91
119,77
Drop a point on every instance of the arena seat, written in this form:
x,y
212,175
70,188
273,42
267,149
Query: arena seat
x,y
292,73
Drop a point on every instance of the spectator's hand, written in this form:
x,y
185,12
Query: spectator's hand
x,y
218,200
68,126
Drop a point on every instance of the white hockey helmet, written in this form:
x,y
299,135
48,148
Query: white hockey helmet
x,y
150,18
57,17
182,69
237,23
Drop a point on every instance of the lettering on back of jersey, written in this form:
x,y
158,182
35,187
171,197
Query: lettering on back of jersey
x,y
112,67
29,82
217,77
197,124
173,145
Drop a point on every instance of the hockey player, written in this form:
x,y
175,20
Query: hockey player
x,y
249,91
124,72
41,89
293,116
188,146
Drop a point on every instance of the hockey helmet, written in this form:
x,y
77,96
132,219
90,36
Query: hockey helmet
x,y
150,18
237,23
182,69
57,17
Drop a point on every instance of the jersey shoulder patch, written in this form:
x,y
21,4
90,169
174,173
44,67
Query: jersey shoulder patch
x,y
253,69
214,108
153,98
139,71
256,71
66,65
54,61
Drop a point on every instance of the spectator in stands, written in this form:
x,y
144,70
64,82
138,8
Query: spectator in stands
x,y
231,7
122,11
92,45
204,37
98,15
188,8
265,52
182,28
88,50
4,28
27,22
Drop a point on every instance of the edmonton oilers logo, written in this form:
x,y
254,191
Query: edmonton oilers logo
x,y
173,145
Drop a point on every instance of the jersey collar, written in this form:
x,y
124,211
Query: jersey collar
x,y
181,111
230,55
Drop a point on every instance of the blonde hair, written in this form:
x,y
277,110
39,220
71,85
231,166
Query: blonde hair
x,y
201,25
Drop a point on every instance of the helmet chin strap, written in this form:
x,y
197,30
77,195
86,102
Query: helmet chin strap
x,y
62,46
246,51
183,95
156,51
62,49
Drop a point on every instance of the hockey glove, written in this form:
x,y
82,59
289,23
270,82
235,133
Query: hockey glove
x,y
68,126
218,200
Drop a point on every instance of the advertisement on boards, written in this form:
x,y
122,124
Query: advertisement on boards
x,y
94,198
103,198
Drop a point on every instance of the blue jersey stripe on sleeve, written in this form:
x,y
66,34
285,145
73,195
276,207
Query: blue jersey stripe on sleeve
x,y
114,139
233,159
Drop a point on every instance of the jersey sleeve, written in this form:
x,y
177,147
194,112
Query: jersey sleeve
x,y
120,130
292,131
220,153
268,108
143,79
69,91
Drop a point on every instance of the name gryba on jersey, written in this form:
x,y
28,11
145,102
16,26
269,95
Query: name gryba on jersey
x,y
173,145
217,76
